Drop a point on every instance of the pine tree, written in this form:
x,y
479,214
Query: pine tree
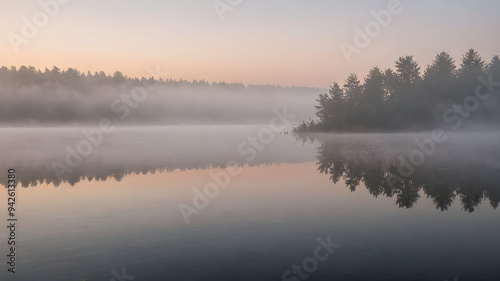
x,y
494,69
372,101
390,85
407,70
443,67
353,90
471,62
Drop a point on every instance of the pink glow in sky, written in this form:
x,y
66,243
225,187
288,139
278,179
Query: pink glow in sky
x,y
277,42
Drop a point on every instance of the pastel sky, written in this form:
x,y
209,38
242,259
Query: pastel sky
x,y
292,42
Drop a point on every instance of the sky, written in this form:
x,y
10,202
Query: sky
x,y
293,42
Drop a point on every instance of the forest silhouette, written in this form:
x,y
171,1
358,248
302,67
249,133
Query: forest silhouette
x,y
405,100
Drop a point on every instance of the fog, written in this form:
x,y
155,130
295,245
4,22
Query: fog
x,y
139,149
144,149
32,97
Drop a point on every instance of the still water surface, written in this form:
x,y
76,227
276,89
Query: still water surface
x,y
118,211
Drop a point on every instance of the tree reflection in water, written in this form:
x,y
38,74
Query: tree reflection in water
x,y
462,170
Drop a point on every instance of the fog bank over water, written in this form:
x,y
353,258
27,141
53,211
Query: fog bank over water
x,y
32,97
140,149
144,149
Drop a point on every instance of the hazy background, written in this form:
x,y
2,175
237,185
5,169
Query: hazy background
x,y
29,97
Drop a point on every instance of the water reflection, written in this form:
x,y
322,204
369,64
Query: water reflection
x,y
269,217
464,168
137,150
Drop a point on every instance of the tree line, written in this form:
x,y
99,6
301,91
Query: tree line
x,y
24,76
405,99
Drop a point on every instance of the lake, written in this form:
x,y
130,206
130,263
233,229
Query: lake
x,y
248,203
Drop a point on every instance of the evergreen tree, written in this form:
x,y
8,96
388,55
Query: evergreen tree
x,y
471,67
408,71
371,106
494,69
390,85
353,91
331,108
471,62
443,67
